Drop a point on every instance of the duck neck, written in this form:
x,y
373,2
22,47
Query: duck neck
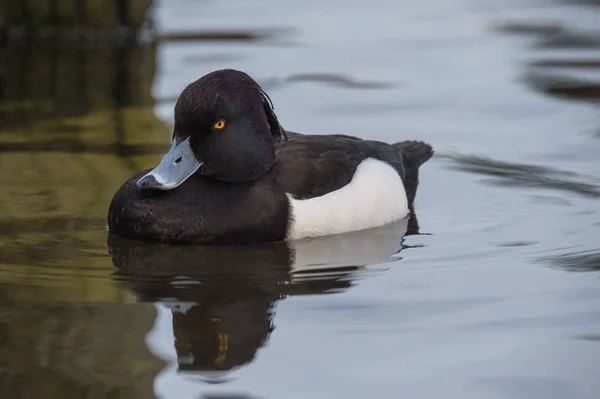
x,y
244,166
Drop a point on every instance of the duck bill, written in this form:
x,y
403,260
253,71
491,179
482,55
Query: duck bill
x,y
176,167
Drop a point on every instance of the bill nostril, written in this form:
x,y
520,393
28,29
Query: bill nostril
x,y
178,160
147,181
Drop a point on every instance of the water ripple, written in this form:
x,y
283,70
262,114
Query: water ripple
x,y
564,86
245,35
551,36
524,175
581,261
333,79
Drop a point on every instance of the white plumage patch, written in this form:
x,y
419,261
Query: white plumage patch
x,y
374,197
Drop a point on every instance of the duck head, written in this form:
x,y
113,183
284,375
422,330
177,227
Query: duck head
x,y
225,128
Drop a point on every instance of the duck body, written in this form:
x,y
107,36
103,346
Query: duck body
x,y
255,184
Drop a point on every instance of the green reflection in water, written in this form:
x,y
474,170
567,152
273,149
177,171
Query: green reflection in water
x,y
75,123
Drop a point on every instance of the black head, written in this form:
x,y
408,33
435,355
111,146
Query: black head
x,y
227,121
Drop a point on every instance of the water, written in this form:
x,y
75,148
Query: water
x,y
492,293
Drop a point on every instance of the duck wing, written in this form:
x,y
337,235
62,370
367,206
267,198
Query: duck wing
x,y
314,165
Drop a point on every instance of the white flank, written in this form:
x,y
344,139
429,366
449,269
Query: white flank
x,y
374,197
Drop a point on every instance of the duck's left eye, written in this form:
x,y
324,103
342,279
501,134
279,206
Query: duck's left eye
x,y
220,124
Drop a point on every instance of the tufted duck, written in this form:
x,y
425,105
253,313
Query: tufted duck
x,y
233,175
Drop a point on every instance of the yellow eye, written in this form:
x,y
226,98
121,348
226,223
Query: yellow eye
x,y
220,124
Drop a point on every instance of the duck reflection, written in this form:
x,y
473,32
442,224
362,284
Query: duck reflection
x,y
222,299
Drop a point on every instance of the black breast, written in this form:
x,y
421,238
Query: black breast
x,y
201,211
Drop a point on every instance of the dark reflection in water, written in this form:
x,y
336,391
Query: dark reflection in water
x,y
223,299
552,36
564,86
540,76
591,338
229,35
524,175
332,79
582,261
572,64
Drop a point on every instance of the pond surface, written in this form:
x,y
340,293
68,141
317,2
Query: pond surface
x,y
491,291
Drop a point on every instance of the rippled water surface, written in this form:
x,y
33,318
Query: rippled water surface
x,y
492,290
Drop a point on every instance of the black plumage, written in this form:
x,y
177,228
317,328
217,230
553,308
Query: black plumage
x,y
238,195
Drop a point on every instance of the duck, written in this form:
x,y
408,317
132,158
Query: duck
x,y
234,176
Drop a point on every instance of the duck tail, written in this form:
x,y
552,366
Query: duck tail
x,y
414,154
